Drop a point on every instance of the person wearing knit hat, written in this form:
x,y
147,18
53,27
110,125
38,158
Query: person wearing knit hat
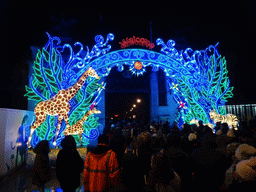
x,y
245,175
246,169
244,152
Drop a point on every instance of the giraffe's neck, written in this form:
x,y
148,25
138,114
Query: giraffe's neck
x,y
72,91
86,116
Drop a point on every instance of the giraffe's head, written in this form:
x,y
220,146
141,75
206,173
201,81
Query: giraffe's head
x,y
91,72
94,110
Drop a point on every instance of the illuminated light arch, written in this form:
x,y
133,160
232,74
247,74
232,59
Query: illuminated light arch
x,y
197,78
195,81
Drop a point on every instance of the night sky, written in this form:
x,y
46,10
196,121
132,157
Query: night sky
x,y
196,25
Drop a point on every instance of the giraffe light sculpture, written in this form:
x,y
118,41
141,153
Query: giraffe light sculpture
x,y
59,105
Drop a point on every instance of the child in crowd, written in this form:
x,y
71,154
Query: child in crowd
x,y
41,170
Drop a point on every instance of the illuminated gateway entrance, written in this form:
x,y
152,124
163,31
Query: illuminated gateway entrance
x,y
196,83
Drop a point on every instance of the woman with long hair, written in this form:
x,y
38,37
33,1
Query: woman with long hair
x,y
162,177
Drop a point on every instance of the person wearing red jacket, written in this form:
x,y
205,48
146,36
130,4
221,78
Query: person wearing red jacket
x,y
101,169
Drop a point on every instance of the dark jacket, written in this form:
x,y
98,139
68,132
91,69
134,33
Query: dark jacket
x,y
209,165
41,170
69,165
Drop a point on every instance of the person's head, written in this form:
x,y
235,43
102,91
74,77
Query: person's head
x,y
161,168
217,126
194,128
192,137
231,148
165,126
209,140
42,147
144,143
117,142
231,133
103,139
68,142
175,128
173,139
224,128
201,123
112,129
186,128
207,129
118,130
222,141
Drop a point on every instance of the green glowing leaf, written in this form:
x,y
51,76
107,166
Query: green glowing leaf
x,y
32,95
79,96
49,74
81,108
46,94
92,87
38,57
45,54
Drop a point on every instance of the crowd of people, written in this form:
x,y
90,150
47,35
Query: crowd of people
x,y
159,157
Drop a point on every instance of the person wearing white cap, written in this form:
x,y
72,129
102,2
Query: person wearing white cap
x,y
245,175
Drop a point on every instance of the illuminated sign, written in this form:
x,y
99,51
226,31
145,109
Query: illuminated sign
x,y
136,41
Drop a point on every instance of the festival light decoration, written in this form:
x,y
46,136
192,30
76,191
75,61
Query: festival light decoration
x,y
174,87
53,74
201,76
182,105
199,79
230,119
138,65
137,68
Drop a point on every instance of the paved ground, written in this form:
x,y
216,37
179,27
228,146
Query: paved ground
x,y
21,181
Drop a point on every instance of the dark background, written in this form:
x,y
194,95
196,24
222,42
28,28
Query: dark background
x,y
191,24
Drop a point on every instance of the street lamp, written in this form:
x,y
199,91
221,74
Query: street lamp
x,y
138,100
134,105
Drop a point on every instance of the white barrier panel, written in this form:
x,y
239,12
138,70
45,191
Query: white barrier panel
x,y
14,132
